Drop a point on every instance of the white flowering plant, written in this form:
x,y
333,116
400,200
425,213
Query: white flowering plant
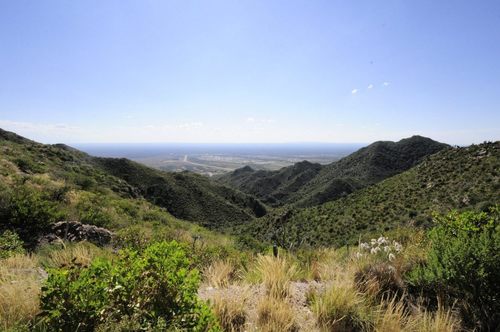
x,y
382,247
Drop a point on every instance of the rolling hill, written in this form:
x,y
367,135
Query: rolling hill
x,y
184,195
454,178
307,184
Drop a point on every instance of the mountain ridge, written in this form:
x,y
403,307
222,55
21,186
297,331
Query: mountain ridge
x,y
306,184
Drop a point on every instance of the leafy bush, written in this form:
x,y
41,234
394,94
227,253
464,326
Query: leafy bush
x,y
154,288
29,166
10,244
95,210
28,211
464,265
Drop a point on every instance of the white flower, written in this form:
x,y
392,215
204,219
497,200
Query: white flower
x,y
387,248
375,250
374,242
364,246
397,246
391,257
381,240
359,255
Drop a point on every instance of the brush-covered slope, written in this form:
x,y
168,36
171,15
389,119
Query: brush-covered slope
x,y
272,187
455,178
186,196
307,184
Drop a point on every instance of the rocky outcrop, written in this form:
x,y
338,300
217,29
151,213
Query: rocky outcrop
x,y
75,231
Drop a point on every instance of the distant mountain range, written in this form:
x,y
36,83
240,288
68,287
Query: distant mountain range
x,y
307,184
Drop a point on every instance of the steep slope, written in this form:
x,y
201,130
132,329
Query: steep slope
x,y
455,178
272,187
306,184
186,196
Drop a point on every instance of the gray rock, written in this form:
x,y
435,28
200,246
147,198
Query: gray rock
x,y
75,231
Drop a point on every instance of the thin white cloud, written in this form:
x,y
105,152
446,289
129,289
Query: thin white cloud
x,y
259,121
36,127
370,86
386,84
190,125
354,91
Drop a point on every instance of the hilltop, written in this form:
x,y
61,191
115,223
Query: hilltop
x,y
454,178
308,184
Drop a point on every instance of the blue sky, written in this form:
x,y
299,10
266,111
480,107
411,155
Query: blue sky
x,y
250,71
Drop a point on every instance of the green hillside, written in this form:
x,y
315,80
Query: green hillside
x,y
307,184
66,183
186,195
455,178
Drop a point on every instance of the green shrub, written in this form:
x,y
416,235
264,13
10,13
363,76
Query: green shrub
x,y
464,265
10,244
28,211
29,166
94,210
154,288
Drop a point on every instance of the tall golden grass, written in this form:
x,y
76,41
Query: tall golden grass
x,y
19,291
220,273
276,315
276,273
230,312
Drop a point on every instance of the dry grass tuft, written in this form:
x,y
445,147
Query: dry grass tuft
x,y
392,316
230,312
380,280
443,320
19,291
82,253
340,308
276,273
275,315
220,273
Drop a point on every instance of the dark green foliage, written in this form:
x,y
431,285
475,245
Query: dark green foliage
x,y
10,244
186,195
92,211
27,211
307,184
29,166
156,289
463,266
455,178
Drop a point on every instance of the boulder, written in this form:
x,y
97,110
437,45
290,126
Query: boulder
x,y
75,231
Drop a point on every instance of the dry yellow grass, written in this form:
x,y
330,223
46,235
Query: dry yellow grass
x,y
391,316
443,320
276,274
340,308
276,315
19,291
230,312
220,273
82,253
